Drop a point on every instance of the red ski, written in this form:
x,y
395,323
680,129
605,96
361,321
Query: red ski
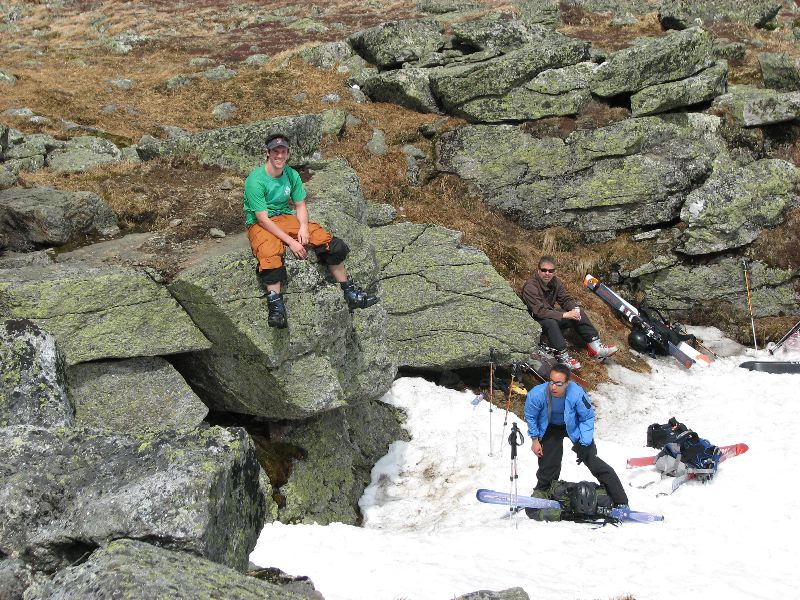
x,y
726,451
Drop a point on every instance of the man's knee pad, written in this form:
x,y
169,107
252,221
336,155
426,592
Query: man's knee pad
x,y
335,254
268,276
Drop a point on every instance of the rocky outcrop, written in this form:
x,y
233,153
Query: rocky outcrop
x,y
344,445
132,396
96,313
753,107
41,217
732,207
501,31
128,568
680,14
408,87
456,85
82,153
631,173
652,61
779,72
27,153
446,303
702,87
515,593
32,377
67,491
327,358
680,288
395,42
239,147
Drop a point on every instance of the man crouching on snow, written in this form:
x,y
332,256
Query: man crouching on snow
x,y
272,225
555,410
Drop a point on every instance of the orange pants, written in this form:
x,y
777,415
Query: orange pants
x,y
268,249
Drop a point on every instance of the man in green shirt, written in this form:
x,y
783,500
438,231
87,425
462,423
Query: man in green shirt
x,y
272,225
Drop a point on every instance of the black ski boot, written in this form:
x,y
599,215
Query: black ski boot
x,y
356,298
277,310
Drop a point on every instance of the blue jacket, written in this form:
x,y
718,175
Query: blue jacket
x,y
578,413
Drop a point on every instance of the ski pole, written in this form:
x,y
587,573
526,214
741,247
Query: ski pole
x,y
508,402
749,303
491,393
515,439
789,334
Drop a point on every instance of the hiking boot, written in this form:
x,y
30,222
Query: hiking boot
x,y
356,297
601,351
564,358
277,310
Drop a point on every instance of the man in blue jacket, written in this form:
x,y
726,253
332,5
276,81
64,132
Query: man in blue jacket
x,y
555,410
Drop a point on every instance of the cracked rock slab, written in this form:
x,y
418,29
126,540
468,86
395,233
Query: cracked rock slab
x,y
446,303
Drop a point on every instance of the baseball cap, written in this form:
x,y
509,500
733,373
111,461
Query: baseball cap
x,y
277,141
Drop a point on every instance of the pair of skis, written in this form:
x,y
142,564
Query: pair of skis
x,y
683,352
620,514
726,452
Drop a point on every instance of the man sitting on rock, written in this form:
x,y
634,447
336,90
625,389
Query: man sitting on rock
x,y
541,293
271,226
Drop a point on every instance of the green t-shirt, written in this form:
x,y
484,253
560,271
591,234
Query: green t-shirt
x,y
272,194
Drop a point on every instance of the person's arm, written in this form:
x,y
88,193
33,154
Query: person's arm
x,y
533,298
567,302
295,246
301,212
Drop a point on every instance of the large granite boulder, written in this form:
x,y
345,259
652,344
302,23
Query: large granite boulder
x,y
98,313
681,287
133,395
650,61
503,31
127,568
82,153
779,72
239,147
446,303
393,43
409,87
32,377
327,358
67,491
625,175
702,87
43,216
343,445
680,14
732,207
456,85
753,107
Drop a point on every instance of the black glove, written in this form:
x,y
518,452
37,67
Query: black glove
x,y
582,451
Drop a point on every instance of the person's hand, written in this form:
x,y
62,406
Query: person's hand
x,y
302,234
574,314
298,249
536,446
582,452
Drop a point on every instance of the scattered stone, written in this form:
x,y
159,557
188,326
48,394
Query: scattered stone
x,y
130,154
123,84
723,49
257,60
227,184
200,61
331,98
175,222
124,42
224,111
333,121
377,145
216,233
646,235
352,121
300,97
327,55
18,112
178,81
219,73
7,178
516,593
357,95
82,153
7,78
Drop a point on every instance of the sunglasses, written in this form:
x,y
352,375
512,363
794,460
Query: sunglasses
x,y
547,270
558,383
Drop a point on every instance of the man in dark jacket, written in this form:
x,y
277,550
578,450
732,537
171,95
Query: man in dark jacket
x,y
541,293
559,409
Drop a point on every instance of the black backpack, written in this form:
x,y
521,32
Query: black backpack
x,y
676,440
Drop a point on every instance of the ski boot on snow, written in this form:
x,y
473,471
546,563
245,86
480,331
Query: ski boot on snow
x,y
564,358
277,311
356,297
599,350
